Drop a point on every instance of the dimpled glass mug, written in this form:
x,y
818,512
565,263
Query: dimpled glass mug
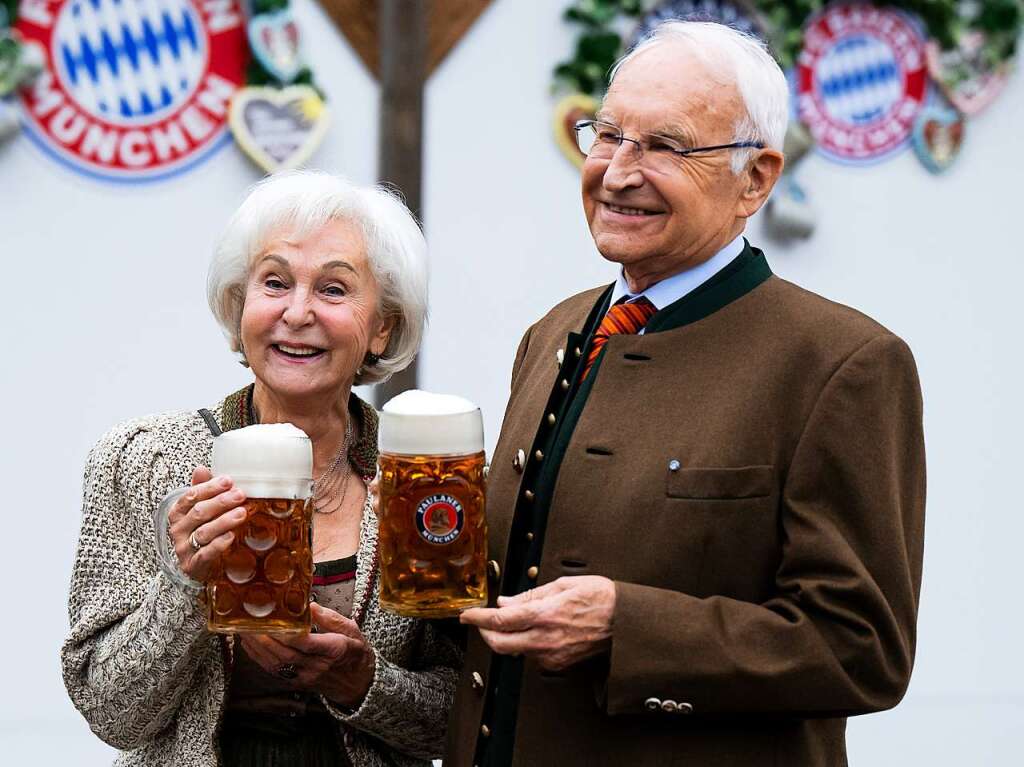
x,y
262,582
433,532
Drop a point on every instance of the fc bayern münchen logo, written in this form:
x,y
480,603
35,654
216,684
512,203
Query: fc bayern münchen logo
x,y
439,518
134,90
861,81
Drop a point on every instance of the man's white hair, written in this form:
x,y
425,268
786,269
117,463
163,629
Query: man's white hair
x,y
744,58
302,201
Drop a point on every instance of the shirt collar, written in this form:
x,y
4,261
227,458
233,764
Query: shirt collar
x,y
671,289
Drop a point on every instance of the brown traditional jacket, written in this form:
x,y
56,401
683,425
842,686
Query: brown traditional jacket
x,y
750,473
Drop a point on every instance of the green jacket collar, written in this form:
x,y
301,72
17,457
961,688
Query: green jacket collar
x,y
744,273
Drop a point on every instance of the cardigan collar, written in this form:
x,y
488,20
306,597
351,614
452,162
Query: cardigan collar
x,y
237,412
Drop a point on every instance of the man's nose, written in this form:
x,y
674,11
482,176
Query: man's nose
x,y
623,171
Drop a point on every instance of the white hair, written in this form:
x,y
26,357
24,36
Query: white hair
x,y
758,77
302,201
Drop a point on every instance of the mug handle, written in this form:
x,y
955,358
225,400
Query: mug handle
x,y
165,557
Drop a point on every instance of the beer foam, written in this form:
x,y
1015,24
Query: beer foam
x,y
272,460
424,423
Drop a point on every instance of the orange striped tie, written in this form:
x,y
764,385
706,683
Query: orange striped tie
x,y
621,318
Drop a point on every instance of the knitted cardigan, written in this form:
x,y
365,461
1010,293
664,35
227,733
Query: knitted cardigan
x,y
139,663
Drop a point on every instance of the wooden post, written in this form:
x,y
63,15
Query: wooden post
x,y
403,61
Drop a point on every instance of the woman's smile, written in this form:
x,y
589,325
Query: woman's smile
x,y
298,353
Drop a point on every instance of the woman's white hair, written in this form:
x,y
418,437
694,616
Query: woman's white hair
x,y
758,77
301,201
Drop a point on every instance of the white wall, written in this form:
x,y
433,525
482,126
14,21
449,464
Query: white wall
x,y
106,319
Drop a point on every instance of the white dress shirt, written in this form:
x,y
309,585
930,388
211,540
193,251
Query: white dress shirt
x,y
671,289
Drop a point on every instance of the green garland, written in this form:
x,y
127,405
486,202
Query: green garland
x,y
600,44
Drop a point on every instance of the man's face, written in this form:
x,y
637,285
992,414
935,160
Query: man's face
x,y
658,221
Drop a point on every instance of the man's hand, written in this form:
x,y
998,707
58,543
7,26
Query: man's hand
x,y
558,624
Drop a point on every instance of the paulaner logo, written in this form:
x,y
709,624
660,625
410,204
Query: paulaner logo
x,y
134,90
439,518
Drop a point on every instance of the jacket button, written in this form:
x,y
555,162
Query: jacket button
x,y
478,681
669,706
565,384
539,455
560,356
684,708
493,569
529,536
673,465
485,730
519,461
529,495
531,572
577,352
653,704
551,419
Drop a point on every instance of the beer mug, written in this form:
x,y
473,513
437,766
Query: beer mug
x,y
262,582
433,535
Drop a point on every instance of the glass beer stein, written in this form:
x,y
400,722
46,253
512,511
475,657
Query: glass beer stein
x,y
262,582
433,534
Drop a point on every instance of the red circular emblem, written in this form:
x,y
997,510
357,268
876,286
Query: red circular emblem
x,y
133,91
861,81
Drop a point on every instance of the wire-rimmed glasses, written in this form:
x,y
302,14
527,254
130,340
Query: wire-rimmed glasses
x,y
600,140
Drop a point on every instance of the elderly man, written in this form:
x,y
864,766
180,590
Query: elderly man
x,y
707,502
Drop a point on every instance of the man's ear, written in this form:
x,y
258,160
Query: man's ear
x,y
763,170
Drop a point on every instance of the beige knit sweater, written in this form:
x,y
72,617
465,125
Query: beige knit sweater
x,y
139,663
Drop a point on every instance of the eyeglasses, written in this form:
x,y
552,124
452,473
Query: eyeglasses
x,y
600,140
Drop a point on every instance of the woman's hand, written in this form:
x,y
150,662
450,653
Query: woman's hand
x,y
206,515
335,661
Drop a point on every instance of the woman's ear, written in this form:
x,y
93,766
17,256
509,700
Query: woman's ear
x,y
379,343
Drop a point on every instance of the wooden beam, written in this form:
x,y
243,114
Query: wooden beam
x,y
447,22
403,61
357,21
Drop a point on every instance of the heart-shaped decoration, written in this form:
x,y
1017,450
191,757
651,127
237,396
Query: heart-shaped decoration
x,y
278,129
964,74
938,136
274,40
568,112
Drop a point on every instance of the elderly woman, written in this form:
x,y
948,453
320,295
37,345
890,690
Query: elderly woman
x,y
319,285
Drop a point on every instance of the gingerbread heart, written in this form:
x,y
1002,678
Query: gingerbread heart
x,y
274,40
278,128
568,112
938,135
965,75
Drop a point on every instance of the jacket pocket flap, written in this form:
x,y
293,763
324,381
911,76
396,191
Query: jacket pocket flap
x,y
711,484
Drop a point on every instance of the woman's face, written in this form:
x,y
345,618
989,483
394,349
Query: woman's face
x,y
311,311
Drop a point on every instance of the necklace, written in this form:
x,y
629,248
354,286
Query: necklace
x,y
325,488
